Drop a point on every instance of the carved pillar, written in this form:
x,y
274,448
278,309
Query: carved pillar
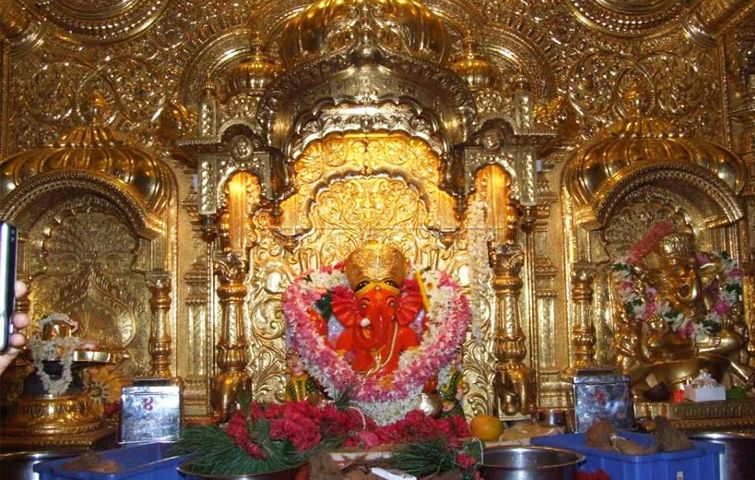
x,y
159,336
513,382
232,355
748,295
745,111
583,332
207,123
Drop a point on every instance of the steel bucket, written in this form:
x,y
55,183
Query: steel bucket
x,y
19,465
529,463
736,461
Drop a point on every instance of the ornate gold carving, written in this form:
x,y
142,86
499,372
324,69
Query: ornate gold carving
x,y
701,416
326,26
475,69
514,385
643,151
232,355
159,337
628,18
254,73
85,269
352,155
670,84
19,29
375,262
578,76
583,341
135,174
709,19
100,21
53,416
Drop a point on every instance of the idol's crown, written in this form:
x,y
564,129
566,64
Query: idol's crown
x,y
375,262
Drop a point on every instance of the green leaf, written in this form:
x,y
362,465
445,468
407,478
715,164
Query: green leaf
x,y
324,306
426,457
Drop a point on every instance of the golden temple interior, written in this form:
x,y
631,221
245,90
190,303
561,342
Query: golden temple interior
x,y
172,165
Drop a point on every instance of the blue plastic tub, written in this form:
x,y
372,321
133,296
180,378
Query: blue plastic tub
x,y
150,461
699,463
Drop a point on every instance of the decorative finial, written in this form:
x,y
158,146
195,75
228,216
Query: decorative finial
x,y
474,68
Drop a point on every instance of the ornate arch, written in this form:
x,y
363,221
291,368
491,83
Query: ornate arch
x,y
715,197
48,188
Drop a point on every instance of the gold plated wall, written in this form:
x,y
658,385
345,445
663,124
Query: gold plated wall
x,y
588,65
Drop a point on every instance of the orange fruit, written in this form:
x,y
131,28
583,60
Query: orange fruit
x,y
486,427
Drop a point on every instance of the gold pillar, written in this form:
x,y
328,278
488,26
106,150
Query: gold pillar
x,y
232,356
513,379
745,111
583,332
159,336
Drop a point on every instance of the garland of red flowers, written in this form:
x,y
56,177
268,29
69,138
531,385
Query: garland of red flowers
x,y
266,437
384,399
260,438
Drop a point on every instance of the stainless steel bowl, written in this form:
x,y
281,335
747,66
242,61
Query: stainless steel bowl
x,y
19,465
530,463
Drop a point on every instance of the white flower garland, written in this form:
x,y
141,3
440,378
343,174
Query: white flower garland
x,y
54,350
480,273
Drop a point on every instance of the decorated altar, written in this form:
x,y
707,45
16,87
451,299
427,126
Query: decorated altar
x,y
453,206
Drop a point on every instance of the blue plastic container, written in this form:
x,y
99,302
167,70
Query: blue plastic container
x,y
150,461
699,463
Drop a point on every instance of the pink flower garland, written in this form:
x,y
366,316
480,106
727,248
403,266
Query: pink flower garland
x,y
416,366
641,306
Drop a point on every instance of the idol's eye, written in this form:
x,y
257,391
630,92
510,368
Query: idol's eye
x,y
392,303
363,304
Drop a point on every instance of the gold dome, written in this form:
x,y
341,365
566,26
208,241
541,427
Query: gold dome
x,y
253,73
405,26
100,151
640,142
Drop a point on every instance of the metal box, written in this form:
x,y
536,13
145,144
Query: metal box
x,y
151,411
602,395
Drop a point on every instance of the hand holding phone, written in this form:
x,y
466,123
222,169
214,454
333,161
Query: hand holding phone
x,y
8,246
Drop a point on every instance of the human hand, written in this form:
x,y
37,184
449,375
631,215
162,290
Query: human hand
x,y
17,339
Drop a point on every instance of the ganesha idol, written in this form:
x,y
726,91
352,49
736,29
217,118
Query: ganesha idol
x,y
376,328
687,308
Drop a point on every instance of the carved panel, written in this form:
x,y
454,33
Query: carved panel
x,y
86,267
98,21
335,213
628,17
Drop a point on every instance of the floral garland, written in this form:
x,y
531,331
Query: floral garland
x,y
267,437
55,349
385,400
640,306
